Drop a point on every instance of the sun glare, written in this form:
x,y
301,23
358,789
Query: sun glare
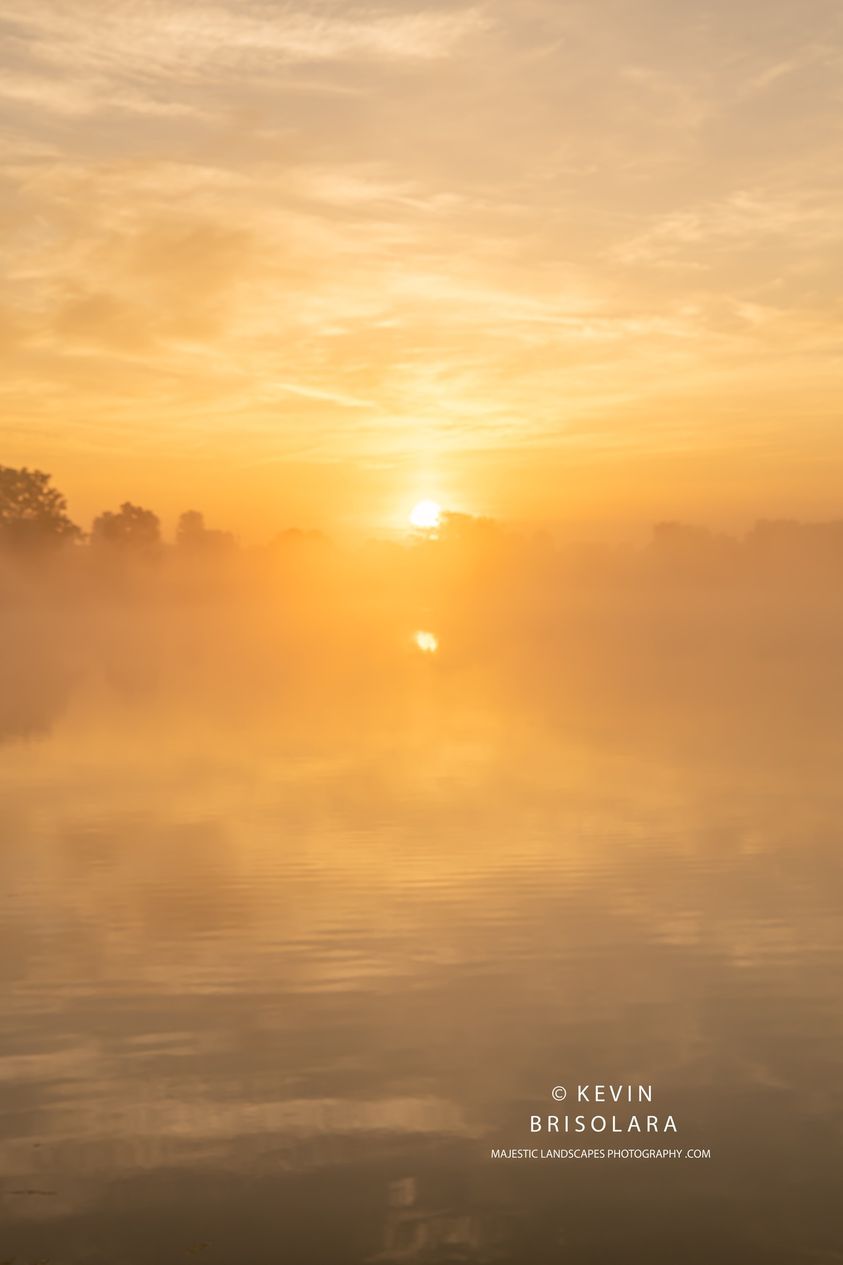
x,y
425,641
426,515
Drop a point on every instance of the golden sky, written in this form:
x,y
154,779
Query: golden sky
x,y
561,261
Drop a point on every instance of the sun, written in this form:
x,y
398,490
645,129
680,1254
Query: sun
x,y
426,515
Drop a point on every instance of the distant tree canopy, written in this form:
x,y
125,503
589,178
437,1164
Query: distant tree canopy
x,y
131,527
192,533
684,548
33,514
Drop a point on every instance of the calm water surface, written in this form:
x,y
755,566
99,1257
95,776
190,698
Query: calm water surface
x,y
280,973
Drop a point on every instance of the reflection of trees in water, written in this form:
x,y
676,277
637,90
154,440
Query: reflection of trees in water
x,y
440,1233
34,690
28,712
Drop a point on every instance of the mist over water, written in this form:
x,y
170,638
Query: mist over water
x,y
328,864
301,916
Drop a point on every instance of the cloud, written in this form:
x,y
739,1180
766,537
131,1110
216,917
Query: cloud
x,y
66,57
340,227
195,41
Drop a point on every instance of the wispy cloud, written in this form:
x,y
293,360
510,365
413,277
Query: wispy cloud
x,y
193,40
347,227
158,59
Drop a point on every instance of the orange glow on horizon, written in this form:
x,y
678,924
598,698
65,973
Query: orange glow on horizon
x,y
295,324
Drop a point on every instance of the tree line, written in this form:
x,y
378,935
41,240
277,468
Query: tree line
x,y
34,517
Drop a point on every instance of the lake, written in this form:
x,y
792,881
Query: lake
x,y
285,959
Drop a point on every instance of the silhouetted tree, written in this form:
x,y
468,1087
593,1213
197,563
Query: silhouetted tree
x,y
682,550
795,547
131,527
300,538
32,514
192,533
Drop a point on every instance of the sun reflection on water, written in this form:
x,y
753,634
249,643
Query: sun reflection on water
x,y
427,642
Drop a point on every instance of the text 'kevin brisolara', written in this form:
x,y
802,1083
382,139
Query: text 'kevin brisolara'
x,y
602,1124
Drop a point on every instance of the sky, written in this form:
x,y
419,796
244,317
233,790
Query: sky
x,y
569,263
